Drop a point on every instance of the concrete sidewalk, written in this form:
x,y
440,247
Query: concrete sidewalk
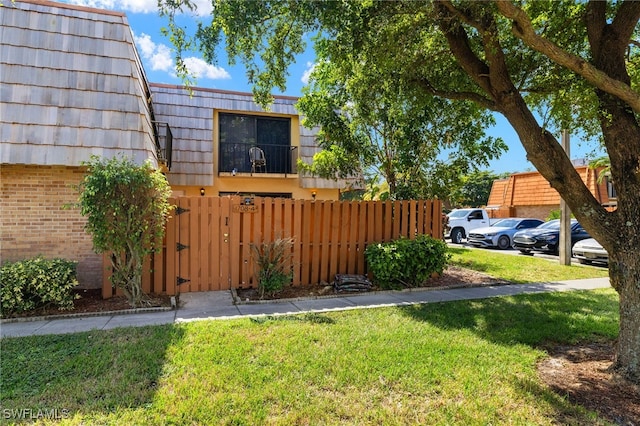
x,y
219,305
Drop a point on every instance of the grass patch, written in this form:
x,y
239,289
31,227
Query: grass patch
x,y
521,269
468,362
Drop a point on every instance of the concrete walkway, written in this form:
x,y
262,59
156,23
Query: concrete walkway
x,y
219,305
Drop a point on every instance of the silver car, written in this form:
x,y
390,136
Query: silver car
x,y
590,251
500,233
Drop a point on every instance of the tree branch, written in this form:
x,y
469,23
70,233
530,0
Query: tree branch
x,y
523,29
459,96
459,45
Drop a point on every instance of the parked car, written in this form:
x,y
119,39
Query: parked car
x,y
462,221
546,237
590,251
500,233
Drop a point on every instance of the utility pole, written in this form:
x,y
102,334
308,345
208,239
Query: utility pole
x,y
564,245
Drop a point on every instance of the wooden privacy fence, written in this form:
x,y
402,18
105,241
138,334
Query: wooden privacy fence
x,y
208,239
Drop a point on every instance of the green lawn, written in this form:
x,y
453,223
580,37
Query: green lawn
x,y
520,268
467,363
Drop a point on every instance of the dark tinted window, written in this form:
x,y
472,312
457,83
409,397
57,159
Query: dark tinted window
x,y
238,133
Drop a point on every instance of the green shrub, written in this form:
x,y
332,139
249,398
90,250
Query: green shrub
x,y
37,283
273,265
405,262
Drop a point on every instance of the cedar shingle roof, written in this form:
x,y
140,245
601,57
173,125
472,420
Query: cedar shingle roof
x,y
72,86
531,189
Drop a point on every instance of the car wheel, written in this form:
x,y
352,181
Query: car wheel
x,y
456,236
525,251
584,261
504,242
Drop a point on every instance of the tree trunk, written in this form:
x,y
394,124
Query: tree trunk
x,y
624,272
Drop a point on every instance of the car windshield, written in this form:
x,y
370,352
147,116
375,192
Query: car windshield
x,y
555,224
507,223
552,224
457,214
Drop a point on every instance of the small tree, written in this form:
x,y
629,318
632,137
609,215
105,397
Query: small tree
x,y
126,208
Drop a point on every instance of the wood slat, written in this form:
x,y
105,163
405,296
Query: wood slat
x,y
362,236
298,238
217,241
325,274
171,256
397,219
146,275
334,263
352,246
329,238
225,238
234,244
345,224
306,234
378,219
195,245
184,239
315,243
247,261
420,213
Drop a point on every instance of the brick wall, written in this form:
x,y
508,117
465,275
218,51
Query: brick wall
x,y
33,221
539,212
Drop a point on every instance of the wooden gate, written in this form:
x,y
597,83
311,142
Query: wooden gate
x,y
208,239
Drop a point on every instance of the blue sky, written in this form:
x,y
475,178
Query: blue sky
x,y
156,55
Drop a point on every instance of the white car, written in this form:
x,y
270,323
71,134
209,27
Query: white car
x,y
590,251
501,232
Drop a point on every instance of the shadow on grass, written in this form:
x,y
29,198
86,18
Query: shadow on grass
x,y
564,412
528,319
99,371
536,320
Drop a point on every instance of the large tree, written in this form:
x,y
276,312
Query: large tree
x,y
543,65
370,124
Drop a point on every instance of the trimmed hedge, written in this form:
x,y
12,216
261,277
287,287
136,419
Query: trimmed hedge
x,y
37,283
406,263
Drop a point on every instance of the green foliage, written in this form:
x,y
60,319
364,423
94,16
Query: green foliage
x,y
544,65
605,163
273,264
405,262
419,145
126,208
37,283
474,189
555,214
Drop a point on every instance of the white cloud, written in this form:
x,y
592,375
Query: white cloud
x,y
307,73
161,59
201,69
140,6
158,56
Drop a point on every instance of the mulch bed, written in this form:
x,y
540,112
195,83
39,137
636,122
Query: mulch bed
x,y
451,277
583,374
91,301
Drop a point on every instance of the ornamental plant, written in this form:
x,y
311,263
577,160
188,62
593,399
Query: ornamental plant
x,y
126,206
406,263
31,284
273,265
